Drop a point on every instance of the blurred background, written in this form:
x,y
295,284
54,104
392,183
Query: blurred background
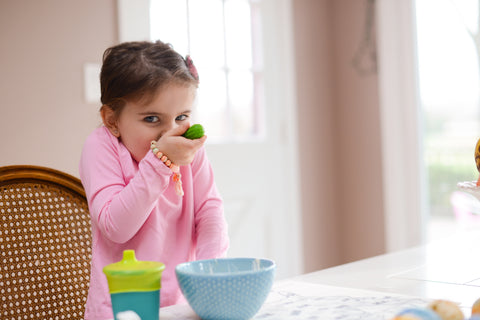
x,y
338,129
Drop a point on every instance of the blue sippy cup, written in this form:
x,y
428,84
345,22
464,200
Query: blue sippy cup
x,y
135,285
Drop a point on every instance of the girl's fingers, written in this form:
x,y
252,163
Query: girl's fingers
x,y
201,141
178,131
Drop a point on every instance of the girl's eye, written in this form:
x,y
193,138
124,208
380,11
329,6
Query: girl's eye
x,y
181,117
151,119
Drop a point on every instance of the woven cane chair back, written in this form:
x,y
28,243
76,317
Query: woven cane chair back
x,y
45,244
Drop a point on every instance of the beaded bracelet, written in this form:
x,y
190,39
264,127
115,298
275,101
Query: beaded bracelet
x,y
177,177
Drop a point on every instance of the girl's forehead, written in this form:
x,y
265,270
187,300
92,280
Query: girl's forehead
x,y
168,99
187,90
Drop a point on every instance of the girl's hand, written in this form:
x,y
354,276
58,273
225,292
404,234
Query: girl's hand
x,y
178,149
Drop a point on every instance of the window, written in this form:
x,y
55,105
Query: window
x,y
449,93
223,39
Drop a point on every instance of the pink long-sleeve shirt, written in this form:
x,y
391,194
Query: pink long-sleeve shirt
x,y
134,206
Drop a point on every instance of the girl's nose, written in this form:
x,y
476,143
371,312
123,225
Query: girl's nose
x,y
168,127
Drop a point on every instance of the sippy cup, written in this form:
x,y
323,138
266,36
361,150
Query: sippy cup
x,y
135,286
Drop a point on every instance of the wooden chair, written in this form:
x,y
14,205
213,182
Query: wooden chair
x,y
45,244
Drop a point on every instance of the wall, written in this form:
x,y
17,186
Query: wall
x,y
339,130
44,118
358,129
316,130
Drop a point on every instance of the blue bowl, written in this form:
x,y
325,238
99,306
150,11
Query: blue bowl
x,y
226,289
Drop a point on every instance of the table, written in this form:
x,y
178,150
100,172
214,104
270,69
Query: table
x,y
375,288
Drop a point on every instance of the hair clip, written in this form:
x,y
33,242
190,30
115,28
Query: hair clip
x,y
191,67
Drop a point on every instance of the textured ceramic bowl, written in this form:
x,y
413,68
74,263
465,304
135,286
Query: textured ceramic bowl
x,y
226,289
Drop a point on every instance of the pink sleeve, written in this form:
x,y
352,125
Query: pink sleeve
x,y
119,208
210,225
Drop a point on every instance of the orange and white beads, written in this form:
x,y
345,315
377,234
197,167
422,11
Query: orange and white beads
x,y
177,177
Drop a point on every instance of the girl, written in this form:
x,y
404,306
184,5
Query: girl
x,y
148,188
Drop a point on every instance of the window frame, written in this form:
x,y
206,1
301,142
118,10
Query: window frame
x,y
404,184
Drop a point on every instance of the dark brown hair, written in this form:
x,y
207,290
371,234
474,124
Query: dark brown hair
x,y
134,71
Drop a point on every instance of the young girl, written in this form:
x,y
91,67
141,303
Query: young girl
x,y
148,188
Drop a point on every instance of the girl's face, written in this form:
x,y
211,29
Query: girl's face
x,y
138,124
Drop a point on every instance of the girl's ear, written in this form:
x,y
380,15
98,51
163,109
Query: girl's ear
x,y
110,120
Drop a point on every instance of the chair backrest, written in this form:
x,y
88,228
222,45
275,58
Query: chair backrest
x,y
45,244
